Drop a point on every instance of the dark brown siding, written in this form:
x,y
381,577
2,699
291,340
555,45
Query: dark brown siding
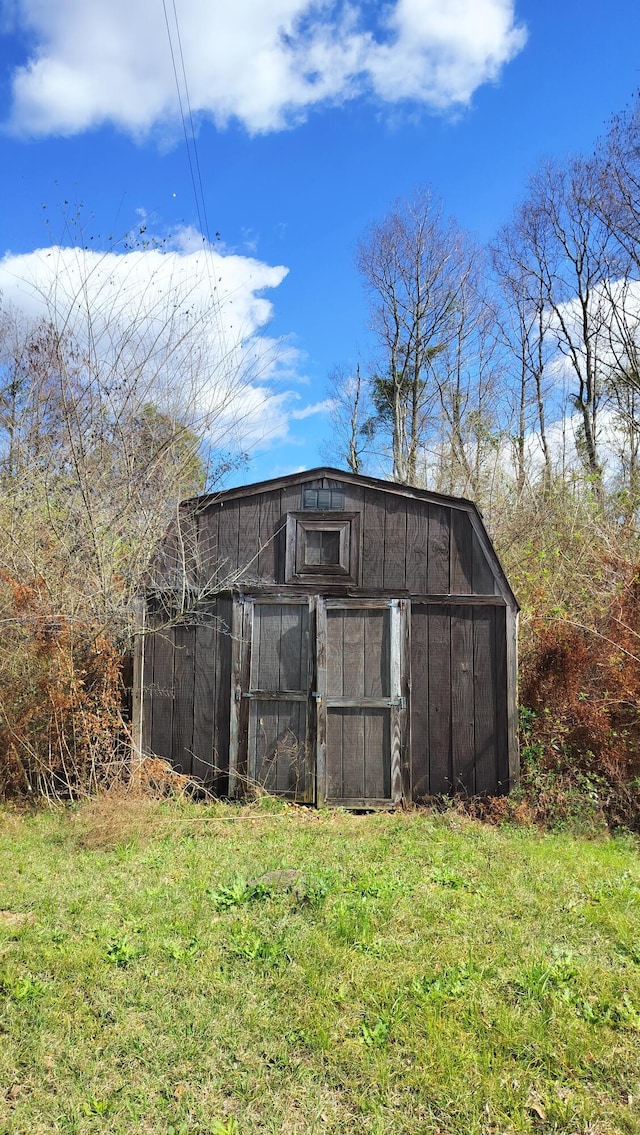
x,y
462,666
186,695
407,545
458,700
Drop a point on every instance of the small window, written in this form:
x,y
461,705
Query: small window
x,y
324,547
323,500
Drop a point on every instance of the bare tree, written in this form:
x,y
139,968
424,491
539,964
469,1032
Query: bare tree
x,y
570,253
112,407
412,264
523,327
466,374
350,414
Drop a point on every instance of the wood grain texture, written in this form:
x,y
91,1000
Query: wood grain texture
x,y
207,521
147,689
163,690
394,573
290,502
420,701
462,708
438,556
320,701
222,687
502,699
461,572
239,673
248,539
270,568
439,677
508,707
228,543
373,547
482,574
376,649
484,680
377,784
204,697
353,751
417,548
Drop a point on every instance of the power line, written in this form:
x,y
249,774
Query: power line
x,y
193,133
201,221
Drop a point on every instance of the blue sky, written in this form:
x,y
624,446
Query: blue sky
x,y
310,121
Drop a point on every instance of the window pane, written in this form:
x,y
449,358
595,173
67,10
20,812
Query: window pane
x,y
323,548
326,500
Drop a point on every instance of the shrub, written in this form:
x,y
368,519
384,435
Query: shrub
x,y
61,729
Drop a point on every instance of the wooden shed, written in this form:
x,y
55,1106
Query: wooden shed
x,y
334,638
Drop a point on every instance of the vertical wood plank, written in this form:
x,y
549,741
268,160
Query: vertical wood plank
x,y
419,702
263,752
162,724
333,782
482,574
334,661
147,692
462,710
405,690
183,678
511,663
484,675
228,516
394,574
290,501
396,695
248,538
353,656
377,739
266,643
204,697
439,678
438,551
373,547
376,648
417,547
353,753
320,707
208,551
238,707
354,502
461,553
137,693
269,568
293,647
222,695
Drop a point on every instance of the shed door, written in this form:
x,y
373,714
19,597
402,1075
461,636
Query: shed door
x,y
275,689
361,701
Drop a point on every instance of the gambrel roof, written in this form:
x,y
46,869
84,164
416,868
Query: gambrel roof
x,y
324,472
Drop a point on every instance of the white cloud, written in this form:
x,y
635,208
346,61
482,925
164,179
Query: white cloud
x,y
310,411
264,64
184,328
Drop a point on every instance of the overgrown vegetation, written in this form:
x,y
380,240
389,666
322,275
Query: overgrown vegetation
x,y
510,374
208,969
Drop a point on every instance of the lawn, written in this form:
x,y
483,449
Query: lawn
x,y
192,970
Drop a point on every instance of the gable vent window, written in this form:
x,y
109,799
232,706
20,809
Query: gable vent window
x,y
323,500
325,546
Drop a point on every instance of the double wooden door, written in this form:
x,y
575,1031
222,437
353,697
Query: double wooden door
x,y
319,699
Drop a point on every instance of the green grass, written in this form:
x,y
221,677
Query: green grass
x,y
420,974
